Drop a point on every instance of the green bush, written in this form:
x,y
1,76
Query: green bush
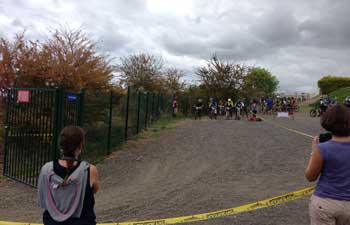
x,y
329,83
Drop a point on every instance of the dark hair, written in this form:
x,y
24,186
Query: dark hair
x,y
71,138
337,120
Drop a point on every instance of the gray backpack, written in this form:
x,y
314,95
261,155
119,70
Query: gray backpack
x,y
62,202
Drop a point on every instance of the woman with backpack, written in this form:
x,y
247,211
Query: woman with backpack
x,y
66,187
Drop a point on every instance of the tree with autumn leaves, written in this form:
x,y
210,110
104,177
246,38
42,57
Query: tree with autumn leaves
x,y
68,59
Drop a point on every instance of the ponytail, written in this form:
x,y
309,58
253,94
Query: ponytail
x,y
71,138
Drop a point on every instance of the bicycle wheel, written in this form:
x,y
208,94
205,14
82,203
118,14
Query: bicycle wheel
x,y
313,113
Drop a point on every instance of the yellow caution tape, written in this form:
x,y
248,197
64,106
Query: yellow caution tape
x,y
211,215
216,214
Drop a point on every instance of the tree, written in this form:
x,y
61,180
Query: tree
x,y
172,80
142,71
68,58
75,63
259,82
222,79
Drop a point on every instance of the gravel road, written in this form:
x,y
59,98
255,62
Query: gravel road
x,y
197,167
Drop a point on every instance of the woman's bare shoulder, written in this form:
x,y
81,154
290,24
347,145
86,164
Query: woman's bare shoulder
x,y
93,169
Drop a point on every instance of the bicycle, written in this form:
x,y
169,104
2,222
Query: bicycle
x,y
238,113
197,112
228,112
213,113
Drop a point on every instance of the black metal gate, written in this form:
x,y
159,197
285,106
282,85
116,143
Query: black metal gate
x,y
34,118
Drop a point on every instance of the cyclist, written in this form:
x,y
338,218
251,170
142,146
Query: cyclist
x,y
174,106
246,107
254,108
269,105
327,100
335,100
229,106
221,108
347,101
213,107
198,107
239,106
262,104
323,106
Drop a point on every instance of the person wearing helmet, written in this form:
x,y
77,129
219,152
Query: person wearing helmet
x,y
175,106
229,107
198,108
254,107
347,101
262,104
239,106
323,106
213,108
213,103
229,103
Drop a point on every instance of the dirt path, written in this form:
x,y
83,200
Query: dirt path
x,y
200,166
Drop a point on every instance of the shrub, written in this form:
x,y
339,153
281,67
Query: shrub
x,y
329,83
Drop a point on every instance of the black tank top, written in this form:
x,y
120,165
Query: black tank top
x,y
88,216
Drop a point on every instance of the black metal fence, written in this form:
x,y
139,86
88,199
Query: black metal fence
x,y
110,119
34,118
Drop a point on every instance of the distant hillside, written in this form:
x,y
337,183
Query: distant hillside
x,y
340,94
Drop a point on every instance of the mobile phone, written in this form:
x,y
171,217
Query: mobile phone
x,y
323,137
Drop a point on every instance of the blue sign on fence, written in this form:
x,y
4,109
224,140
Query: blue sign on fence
x,y
71,97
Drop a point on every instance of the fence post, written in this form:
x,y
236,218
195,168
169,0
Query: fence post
x,y
110,122
157,109
146,114
5,169
57,126
81,108
138,112
152,107
127,115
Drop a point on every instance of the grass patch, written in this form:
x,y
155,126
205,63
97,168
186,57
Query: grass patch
x,y
155,130
340,94
3,178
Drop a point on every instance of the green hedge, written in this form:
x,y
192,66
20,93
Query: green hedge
x,y
329,83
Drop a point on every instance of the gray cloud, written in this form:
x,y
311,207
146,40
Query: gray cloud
x,y
298,41
331,29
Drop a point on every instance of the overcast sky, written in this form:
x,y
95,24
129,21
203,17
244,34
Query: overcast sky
x,y
298,41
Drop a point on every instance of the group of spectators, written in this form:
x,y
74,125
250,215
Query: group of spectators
x,y
246,107
278,104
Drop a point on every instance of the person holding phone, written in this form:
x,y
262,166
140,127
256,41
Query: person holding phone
x,y
330,164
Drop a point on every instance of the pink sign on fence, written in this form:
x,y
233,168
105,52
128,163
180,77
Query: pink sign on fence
x,y
23,96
